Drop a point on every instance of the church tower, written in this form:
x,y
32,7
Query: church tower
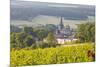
x,y
61,26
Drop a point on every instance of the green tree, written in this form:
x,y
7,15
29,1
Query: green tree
x,y
50,27
28,41
51,40
13,40
41,33
20,39
86,32
29,30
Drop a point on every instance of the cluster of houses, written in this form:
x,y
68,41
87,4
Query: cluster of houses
x,y
64,33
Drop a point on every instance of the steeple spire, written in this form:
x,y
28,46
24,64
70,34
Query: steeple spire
x,y
61,20
61,24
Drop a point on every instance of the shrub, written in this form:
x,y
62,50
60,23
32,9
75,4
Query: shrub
x,y
56,55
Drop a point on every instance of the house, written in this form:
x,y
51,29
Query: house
x,y
63,33
63,40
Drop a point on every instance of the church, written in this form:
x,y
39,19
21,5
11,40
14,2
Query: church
x,y
64,33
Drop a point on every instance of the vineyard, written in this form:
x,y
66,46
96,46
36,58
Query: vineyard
x,y
69,54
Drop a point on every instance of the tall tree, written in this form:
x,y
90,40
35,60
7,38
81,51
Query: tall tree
x,y
28,30
41,33
51,40
86,32
28,41
20,39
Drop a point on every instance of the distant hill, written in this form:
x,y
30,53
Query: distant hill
x,y
27,11
43,19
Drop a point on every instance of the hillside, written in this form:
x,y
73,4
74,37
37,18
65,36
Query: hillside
x,y
22,10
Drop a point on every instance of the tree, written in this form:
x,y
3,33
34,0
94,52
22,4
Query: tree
x,y
86,32
28,41
41,33
28,30
13,40
20,39
50,27
15,29
51,40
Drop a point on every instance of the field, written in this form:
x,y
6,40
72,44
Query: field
x,y
62,54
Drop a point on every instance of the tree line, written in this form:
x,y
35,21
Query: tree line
x,y
33,37
86,32
42,38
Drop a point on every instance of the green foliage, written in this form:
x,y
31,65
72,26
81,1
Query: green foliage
x,y
41,33
28,41
41,45
15,29
28,30
86,32
51,40
56,55
50,27
29,36
12,40
21,40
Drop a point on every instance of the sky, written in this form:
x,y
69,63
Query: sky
x,y
85,2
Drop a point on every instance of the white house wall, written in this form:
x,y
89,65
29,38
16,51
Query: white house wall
x,y
62,41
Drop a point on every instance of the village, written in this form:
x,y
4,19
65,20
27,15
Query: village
x,y
64,33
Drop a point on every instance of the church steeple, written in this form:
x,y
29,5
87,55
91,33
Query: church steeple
x,y
61,21
61,24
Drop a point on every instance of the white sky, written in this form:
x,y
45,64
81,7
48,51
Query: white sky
x,y
87,2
